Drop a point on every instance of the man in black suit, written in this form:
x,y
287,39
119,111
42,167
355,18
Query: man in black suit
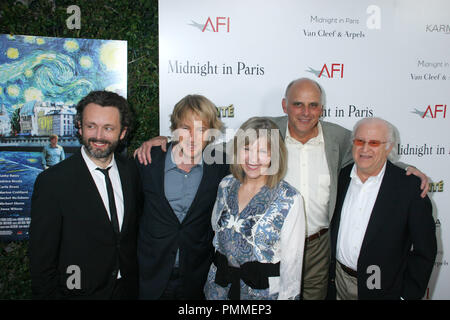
x,y
84,212
382,234
175,247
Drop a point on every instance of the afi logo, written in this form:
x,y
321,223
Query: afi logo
x,y
217,24
336,70
438,110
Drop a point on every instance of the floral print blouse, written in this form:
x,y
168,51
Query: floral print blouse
x,y
270,229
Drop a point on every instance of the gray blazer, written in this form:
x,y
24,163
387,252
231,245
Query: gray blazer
x,y
338,151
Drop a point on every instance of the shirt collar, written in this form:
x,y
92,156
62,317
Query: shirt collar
x,y
375,179
169,164
91,165
313,141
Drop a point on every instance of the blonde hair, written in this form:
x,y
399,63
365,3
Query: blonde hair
x,y
201,106
242,138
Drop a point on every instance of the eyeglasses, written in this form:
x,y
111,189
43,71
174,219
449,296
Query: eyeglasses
x,y
371,143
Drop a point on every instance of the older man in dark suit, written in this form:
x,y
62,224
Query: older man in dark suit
x,y
382,232
84,212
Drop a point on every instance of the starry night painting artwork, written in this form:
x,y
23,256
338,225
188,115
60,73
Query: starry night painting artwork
x,y
41,81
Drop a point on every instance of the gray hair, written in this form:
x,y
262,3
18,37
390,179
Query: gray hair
x,y
393,136
322,92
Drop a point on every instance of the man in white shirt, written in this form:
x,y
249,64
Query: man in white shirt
x,y
317,151
383,233
85,209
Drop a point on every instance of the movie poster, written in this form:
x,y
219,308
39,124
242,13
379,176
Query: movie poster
x,y
41,81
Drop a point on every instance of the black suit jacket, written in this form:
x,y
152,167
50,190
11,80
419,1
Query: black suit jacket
x,y
400,218
70,227
161,234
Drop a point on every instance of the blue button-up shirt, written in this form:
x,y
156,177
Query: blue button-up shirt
x,y
180,187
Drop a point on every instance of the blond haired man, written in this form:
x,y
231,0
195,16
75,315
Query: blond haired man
x,y
175,237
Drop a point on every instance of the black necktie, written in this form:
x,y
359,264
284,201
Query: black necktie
x,y
112,202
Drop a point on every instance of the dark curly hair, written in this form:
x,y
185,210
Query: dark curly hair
x,y
106,99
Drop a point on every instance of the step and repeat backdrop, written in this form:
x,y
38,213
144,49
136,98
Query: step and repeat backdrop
x,y
388,59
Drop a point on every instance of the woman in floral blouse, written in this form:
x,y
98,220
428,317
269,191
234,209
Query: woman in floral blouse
x,y
259,222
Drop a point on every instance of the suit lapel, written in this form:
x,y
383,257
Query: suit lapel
x,y
344,182
91,197
282,125
157,176
380,212
331,151
126,190
332,157
209,178
202,189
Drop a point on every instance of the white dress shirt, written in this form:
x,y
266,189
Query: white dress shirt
x,y
355,215
308,172
99,179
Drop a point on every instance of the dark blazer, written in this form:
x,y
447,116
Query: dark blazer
x,y
70,226
161,233
400,218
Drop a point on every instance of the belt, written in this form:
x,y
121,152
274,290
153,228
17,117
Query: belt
x,y
349,271
254,274
316,235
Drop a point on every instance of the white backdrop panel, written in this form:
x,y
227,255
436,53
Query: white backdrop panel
x,y
386,58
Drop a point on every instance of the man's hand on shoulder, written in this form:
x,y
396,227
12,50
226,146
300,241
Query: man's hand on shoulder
x,y
423,179
143,153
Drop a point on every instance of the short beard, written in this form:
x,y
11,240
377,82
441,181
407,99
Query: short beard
x,y
99,154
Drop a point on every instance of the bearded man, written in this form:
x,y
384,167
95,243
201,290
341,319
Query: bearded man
x,y
84,211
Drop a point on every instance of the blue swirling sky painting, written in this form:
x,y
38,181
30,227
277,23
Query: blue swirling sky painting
x,y
41,79
59,69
